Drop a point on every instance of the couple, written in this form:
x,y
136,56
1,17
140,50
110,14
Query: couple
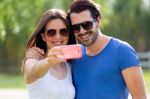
x,y
108,68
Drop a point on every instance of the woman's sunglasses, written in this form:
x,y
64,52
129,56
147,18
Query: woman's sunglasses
x,y
87,25
52,32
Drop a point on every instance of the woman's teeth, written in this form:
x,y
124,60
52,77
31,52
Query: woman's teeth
x,y
57,43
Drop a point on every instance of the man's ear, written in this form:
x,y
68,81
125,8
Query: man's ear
x,y
43,36
98,21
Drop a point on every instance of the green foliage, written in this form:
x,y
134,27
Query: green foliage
x,y
125,19
17,21
129,22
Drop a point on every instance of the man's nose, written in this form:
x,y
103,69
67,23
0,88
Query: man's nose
x,y
82,30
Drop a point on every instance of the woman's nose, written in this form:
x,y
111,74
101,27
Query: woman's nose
x,y
58,36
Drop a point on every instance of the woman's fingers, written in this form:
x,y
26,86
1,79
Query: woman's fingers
x,y
34,52
55,56
38,50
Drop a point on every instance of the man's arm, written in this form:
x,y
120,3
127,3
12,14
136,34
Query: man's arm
x,y
134,80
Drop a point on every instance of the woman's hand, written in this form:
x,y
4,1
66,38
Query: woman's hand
x,y
34,52
55,56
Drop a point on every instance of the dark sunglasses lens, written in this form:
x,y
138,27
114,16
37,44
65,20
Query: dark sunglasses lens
x,y
87,25
51,32
64,32
76,28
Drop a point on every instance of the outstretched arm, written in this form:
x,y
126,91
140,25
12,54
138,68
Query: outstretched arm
x,y
36,65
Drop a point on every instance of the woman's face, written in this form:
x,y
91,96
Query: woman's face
x,y
56,33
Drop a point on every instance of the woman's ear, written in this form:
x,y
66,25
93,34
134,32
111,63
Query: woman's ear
x,y
43,36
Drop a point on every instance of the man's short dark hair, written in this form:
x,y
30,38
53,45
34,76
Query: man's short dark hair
x,y
78,6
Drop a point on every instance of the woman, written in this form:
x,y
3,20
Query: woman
x,y
47,74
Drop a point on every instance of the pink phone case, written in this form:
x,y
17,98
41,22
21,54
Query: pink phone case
x,y
71,51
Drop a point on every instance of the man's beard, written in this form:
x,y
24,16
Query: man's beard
x,y
94,37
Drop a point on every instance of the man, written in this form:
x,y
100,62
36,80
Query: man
x,y
109,67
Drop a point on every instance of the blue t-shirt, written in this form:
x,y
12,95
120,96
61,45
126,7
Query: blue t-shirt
x,y
99,76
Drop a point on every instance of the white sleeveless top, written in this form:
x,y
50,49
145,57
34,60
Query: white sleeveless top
x,y
49,87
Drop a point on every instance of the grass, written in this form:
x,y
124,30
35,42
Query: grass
x,y
11,81
147,80
17,81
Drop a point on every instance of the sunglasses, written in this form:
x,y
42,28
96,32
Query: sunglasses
x,y
53,32
87,25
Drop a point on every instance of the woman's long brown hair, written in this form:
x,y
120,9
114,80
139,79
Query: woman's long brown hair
x,y
35,38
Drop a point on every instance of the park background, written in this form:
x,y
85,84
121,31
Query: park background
x,y
128,20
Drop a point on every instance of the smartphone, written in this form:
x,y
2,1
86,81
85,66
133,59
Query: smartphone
x,y
71,51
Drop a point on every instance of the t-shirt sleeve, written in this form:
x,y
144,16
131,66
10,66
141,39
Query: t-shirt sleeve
x,y
127,56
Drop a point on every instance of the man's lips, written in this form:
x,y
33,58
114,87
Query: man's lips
x,y
85,36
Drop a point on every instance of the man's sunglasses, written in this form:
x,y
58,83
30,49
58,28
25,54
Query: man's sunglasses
x,y
52,32
87,25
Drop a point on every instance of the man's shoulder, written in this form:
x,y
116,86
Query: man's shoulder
x,y
121,43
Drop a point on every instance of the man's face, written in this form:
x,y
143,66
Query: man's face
x,y
84,27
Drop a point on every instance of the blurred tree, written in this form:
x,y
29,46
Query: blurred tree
x,y
128,22
125,19
17,21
